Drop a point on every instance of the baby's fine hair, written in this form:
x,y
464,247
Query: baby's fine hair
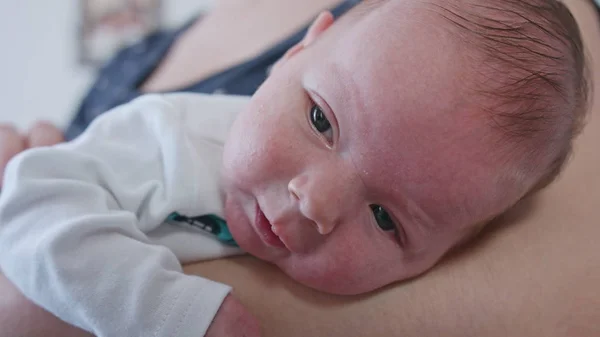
x,y
531,79
531,70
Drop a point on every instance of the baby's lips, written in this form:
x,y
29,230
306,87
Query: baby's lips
x,y
278,232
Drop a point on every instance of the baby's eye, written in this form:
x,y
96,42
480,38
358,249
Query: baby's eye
x,y
384,221
320,122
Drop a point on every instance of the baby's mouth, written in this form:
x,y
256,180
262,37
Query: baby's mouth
x,y
264,230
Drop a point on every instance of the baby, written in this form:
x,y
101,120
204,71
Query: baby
x,y
377,145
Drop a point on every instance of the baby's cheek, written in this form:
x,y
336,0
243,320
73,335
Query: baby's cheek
x,y
245,146
346,269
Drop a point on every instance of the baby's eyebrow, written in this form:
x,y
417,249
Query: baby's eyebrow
x,y
351,94
419,218
407,214
337,87
397,215
416,211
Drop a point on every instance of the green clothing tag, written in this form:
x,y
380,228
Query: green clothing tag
x,y
209,223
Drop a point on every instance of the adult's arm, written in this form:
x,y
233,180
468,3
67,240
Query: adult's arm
x,y
536,273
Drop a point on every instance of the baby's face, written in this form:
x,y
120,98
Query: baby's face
x,y
356,163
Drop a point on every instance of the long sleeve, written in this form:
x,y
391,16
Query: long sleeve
x,y
81,224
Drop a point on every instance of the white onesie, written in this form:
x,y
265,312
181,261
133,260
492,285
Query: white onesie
x,y
82,224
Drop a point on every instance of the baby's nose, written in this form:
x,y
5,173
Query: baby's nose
x,y
323,199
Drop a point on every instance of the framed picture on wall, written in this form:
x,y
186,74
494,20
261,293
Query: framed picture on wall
x,y
108,25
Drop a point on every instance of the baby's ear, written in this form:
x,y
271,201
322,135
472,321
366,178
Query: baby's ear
x,y
321,24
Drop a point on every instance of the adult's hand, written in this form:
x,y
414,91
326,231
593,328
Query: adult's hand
x,y
12,142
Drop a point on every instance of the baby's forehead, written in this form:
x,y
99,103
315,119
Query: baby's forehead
x,y
390,59
396,81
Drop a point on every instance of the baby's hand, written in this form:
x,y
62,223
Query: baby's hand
x,y
233,320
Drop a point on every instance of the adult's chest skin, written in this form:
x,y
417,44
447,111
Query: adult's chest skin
x,y
233,32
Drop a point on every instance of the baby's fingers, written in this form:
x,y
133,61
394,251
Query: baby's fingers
x,y
233,320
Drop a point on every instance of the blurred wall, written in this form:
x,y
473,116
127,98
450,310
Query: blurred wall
x,y
40,77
